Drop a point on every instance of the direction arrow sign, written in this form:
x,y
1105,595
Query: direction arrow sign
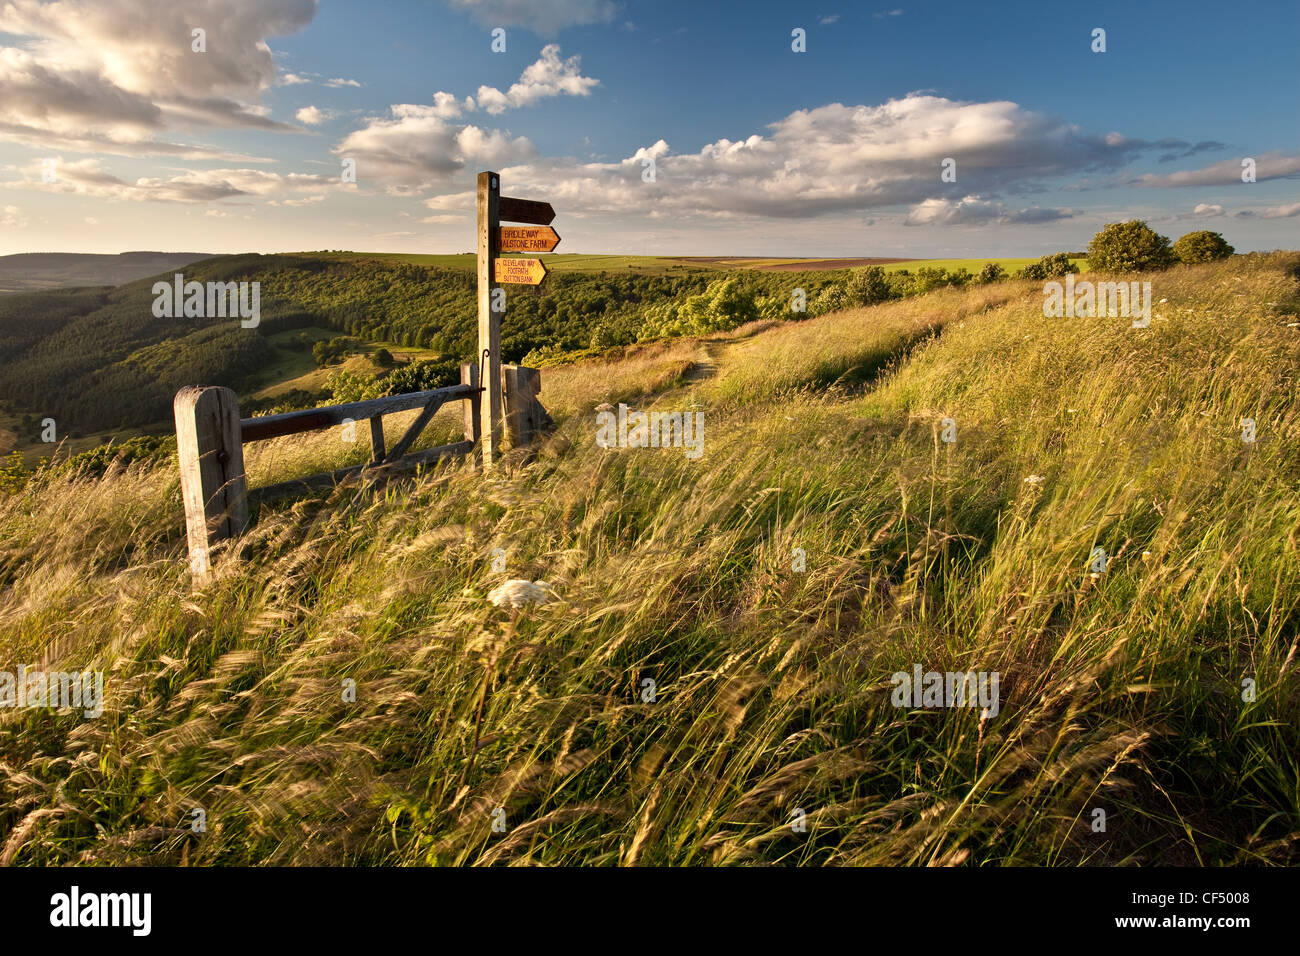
x,y
525,210
528,238
519,271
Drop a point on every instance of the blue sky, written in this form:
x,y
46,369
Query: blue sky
x,y
116,134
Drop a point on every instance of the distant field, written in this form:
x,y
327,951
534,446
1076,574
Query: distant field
x,y
28,272
555,262
787,265
664,265
1009,263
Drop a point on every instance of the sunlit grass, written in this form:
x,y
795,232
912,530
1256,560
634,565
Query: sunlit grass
x,y
771,687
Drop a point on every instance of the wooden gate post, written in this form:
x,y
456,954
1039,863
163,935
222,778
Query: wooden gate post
x,y
525,416
210,449
489,322
473,420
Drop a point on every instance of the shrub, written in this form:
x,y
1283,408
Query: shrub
x,y
991,272
832,298
1049,267
1131,246
97,461
422,376
14,475
335,350
384,358
869,286
1202,246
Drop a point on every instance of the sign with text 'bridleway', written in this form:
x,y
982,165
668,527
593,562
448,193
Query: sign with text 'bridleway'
x,y
529,239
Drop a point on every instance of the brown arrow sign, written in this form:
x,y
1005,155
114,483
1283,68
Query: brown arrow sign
x,y
528,238
519,271
525,210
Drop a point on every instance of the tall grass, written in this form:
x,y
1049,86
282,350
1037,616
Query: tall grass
x,y
771,687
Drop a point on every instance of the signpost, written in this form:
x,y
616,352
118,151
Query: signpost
x,y
493,239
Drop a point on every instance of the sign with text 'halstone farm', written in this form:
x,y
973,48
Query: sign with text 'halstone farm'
x,y
529,239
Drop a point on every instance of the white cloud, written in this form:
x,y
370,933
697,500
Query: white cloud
x,y
548,76
446,106
338,81
1280,212
972,210
11,217
1273,165
87,177
1204,210
417,147
544,17
112,74
839,159
312,115
828,19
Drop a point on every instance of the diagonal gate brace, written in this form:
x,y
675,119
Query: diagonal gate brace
x,y
413,432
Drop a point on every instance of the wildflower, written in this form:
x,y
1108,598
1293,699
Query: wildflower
x,y
1035,480
517,592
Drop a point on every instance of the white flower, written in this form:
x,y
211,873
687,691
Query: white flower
x,y
1035,480
517,592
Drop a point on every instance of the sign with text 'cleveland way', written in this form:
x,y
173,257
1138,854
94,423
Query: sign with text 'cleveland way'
x,y
519,271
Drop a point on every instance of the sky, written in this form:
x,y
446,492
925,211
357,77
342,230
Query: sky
x,y
655,127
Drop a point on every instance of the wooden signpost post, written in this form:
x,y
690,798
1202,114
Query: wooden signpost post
x,y
493,239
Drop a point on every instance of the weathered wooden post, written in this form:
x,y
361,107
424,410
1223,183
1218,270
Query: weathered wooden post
x,y
489,322
473,418
525,416
209,446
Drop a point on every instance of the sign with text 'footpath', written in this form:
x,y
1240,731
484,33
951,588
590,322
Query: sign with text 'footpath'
x,y
528,239
525,210
519,271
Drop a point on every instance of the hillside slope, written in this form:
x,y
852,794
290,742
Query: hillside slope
x,y
99,359
691,693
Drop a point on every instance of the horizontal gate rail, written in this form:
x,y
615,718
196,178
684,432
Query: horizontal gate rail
x,y
293,423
